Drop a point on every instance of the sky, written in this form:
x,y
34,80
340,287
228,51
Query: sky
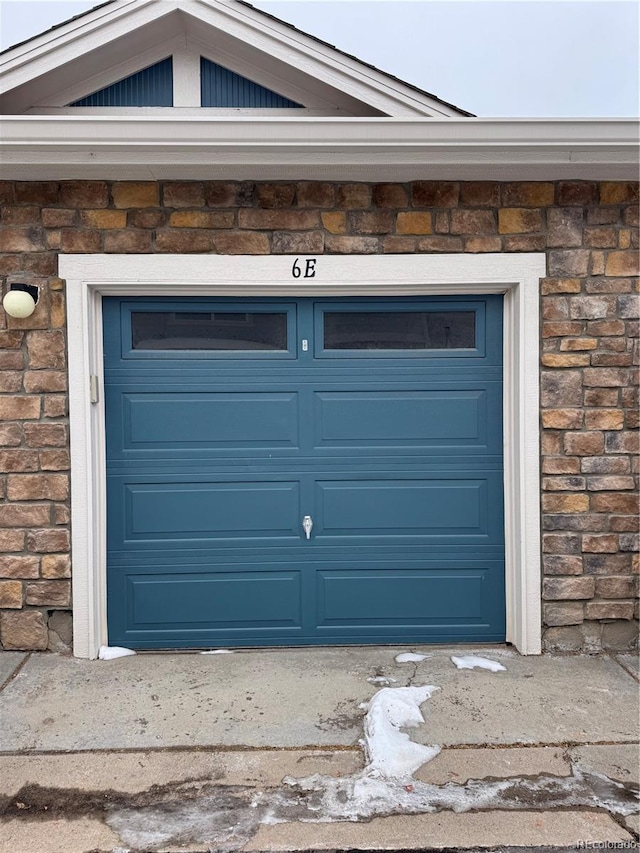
x,y
494,58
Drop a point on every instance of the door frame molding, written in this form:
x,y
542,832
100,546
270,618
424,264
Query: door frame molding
x,y
517,276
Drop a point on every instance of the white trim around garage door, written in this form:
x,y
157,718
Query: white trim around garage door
x,y
517,276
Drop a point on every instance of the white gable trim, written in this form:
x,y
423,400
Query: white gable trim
x,y
517,276
332,78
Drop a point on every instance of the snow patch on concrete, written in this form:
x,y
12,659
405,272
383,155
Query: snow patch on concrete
x,y
410,657
113,652
475,662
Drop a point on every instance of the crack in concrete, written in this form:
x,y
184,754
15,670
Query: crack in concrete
x,y
15,672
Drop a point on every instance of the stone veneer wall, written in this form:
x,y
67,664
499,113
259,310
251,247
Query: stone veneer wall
x,y
589,329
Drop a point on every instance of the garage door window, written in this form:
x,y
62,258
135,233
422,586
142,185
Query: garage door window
x,y
388,330
211,330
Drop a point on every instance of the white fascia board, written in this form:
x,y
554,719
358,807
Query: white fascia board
x,y
152,147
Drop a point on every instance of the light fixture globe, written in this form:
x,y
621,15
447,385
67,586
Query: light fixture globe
x,y
20,301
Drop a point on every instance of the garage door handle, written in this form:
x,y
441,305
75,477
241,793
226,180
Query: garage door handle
x,y
307,525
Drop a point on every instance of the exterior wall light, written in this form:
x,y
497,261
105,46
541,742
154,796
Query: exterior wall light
x,y
20,300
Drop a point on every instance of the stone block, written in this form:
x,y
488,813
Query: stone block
x,y
10,381
560,285
46,435
562,564
519,220
18,460
48,593
435,194
11,540
28,215
440,243
10,360
473,222
618,192
578,344
183,194
10,339
629,306
127,242
523,243
614,502
389,195
241,243
555,307
57,218
620,636
19,567
568,262
563,484
563,639
338,245
601,397
237,194
527,194
54,460
414,222
56,566
612,419
11,595
371,222
577,192
61,514
603,543
278,220
583,443
561,389
180,242
55,406
567,613
605,377
84,194
36,192
147,218
622,586
630,542
475,245
608,484
560,465
556,359
275,195
623,523
591,307
442,222
335,221
73,241
202,219
606,328
353,196
622,442
600,237
622,263
46,349
304,242
48,540
568,588
608,285
34,487
565,503
23,631
607,564
560,329
480,194
315,194
608,610
130,194
42,381
60,632
104,218
392,245
562,418
22,239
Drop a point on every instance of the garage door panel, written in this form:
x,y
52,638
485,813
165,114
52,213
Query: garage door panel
x,y
149,512
422,418
435,595
231,600
170,421
431,508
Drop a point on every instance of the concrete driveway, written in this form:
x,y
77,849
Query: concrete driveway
x,y
188,752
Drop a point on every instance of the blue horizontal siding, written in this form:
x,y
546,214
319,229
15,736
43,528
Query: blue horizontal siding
x,y
151,87
220,87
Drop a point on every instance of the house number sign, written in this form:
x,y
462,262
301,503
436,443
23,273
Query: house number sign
x,y
304,270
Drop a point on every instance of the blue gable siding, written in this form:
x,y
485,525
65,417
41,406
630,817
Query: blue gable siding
x,y
151,87
223,88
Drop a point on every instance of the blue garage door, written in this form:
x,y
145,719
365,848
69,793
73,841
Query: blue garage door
x,y
309,471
